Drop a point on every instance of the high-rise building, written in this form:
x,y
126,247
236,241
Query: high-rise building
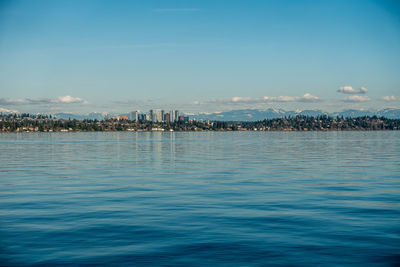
x,y
156,115
134,115
167,118
152,115
142,117
176,115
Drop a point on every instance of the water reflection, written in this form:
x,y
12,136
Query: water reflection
x,y
183,198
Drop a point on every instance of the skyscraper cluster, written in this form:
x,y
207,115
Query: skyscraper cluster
x,y
158,115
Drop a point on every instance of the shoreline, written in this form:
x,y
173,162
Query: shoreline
x,y
13,123
207,131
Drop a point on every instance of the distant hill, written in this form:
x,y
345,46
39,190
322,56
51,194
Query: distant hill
x,y
90,116
389,113
254,114
271,113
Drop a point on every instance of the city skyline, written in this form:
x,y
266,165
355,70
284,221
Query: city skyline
x,y
198,56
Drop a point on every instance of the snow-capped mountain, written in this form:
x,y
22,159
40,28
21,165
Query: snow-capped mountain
x,y
255,114
90,116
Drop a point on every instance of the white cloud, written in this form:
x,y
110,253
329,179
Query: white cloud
x,y
279,98
260,100
4,110
350,90
26,101
38,101
309,98
391,98
6,101
43,101
246,99
305,98
357,98
70,99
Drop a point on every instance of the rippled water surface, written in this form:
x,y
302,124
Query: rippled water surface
x,y
194,199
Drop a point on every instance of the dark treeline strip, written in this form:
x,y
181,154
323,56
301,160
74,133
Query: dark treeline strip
x,y
45,123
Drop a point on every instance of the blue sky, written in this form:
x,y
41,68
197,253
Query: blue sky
x,y
198,56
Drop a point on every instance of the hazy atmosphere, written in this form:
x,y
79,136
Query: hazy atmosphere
x,y
198,56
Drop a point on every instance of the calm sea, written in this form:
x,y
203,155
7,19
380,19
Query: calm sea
x,y
195,199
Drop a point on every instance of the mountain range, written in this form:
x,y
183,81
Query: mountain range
x,y
255,114
90,116
271,113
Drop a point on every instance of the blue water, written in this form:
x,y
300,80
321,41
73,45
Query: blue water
x,y
195,199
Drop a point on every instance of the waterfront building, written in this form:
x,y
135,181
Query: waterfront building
x,y
156,115
167,118
176,115
151,114
122,117
134,115
142,117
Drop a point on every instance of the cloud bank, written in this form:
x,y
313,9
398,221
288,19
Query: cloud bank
x,y
350,90
70,99
266,99
391,98
357,98
4,110
305,98
43,101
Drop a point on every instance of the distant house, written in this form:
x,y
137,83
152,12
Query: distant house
x,y
122,117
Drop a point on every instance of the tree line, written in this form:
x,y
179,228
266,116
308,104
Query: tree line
x,y
46,123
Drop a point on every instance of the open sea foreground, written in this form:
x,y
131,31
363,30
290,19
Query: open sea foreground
x,y
200,198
